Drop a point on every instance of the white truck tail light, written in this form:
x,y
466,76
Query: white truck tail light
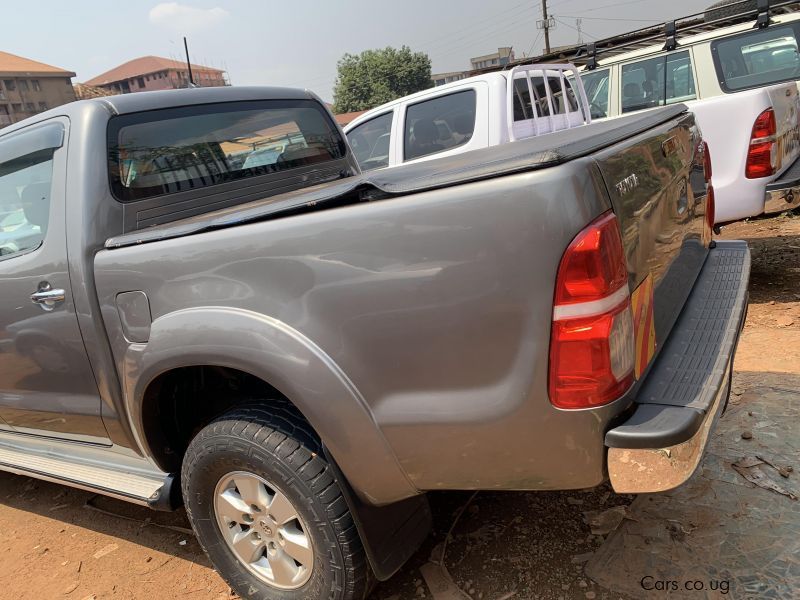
x,y
762,156
592,343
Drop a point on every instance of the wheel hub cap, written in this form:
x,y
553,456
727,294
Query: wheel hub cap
x,y
263,530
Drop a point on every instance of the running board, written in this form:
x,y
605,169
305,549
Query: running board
x,y
91,468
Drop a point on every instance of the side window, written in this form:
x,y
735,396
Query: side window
x,y
757,58
596,84
25,183
643,84
439,124
657,81
370,142
679,78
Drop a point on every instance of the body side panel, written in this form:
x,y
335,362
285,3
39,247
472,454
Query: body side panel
x,y
436,306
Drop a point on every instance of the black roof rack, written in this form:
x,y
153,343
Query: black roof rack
x,y
669,33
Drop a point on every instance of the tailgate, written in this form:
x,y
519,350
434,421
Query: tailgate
x,y
657,190
785,102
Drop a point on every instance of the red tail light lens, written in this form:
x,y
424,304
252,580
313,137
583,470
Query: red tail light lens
x,y
707,172
710,207
762,154
594,264
765,125
592,340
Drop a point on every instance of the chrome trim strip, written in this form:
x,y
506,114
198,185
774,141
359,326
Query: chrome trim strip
x,y
72,483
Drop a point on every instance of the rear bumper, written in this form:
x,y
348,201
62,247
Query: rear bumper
x,y
784,193
661,444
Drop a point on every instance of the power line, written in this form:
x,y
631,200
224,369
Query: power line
x,y
615,4
580,31
610,19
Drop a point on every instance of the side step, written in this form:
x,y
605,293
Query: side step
x,y
91,468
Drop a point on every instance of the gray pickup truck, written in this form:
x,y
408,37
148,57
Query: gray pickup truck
x,y
203,302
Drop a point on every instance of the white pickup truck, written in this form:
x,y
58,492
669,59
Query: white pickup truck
x,y
477,112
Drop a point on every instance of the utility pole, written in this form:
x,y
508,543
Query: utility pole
x,y
546,27
188,63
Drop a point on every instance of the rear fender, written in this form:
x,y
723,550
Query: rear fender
x,y
281,356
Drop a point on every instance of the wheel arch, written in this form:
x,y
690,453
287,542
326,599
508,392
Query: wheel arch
x,y
288,362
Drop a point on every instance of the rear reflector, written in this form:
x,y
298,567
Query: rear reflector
x,y
592,352
762,155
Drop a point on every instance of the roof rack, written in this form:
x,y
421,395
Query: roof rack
x,y
668,33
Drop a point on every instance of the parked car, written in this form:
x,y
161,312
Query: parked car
x,y
299,353
472,113
738,76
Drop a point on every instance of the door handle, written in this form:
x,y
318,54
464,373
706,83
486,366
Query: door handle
x,y
47,297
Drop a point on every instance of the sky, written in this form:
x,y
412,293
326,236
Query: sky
x,y
267,42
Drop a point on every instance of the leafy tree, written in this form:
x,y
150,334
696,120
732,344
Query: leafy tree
x,y
374,77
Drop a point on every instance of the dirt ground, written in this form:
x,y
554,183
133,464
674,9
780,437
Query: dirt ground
x,y
57,542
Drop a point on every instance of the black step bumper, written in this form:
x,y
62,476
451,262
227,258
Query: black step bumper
x,y
661,444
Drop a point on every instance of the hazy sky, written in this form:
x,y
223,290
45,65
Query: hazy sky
x,y
298,43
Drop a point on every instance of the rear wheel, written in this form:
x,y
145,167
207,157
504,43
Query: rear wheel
x,y
268,511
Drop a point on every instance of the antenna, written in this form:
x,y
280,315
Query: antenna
x,y
578,26
188,64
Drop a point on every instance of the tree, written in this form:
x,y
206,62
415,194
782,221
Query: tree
x,y
374,77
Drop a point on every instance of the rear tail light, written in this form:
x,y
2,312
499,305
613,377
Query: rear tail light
x,y
762,156
710,207
592,341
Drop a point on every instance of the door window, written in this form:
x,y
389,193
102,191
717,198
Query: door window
x,y
370,142
757,58
657,81
25,183
439,124
596,84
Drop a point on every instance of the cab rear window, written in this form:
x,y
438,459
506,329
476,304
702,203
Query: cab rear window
x,y
757,58
178,149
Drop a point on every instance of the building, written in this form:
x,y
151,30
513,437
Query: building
x,y
28,87
442,78
345,118
501,58
150,73
86,92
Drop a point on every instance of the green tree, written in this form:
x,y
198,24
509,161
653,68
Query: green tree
x,y
374,77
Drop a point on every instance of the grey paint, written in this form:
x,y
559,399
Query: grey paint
x,y
435,307
134,316
411,330
46,381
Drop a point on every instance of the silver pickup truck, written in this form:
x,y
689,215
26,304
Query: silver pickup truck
x,y
202,301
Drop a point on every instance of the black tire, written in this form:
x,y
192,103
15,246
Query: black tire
x,y
728,8
277,444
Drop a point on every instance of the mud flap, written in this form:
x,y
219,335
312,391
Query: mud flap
x,y
390,534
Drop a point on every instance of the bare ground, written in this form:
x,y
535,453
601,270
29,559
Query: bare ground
x,y
57,542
